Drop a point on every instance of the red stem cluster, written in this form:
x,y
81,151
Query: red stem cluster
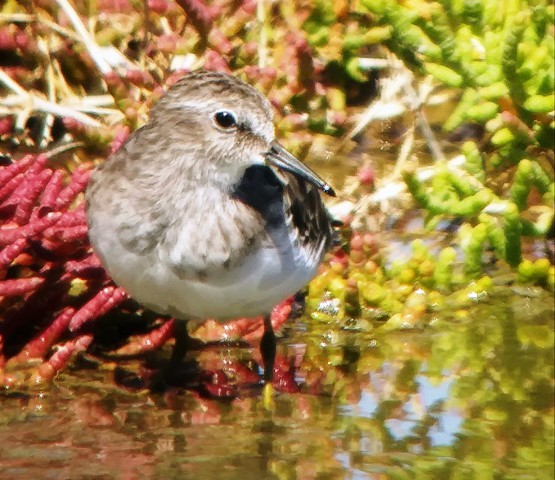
x,y
44,250
200,15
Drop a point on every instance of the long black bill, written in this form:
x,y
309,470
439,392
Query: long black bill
x,y
281,158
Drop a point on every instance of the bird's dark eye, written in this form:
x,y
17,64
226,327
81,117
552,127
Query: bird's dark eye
x,y
225,119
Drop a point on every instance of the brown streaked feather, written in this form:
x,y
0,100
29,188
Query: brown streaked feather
x,y
306,213
287,201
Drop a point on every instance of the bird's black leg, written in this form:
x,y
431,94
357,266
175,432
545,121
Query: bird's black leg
x,y
181,335
268,352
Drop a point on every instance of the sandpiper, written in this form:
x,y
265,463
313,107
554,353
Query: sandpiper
x,y
203,214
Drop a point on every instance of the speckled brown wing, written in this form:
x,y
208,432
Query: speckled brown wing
x,y
285,200
307,215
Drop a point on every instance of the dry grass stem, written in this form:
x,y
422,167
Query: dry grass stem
x,y
92,47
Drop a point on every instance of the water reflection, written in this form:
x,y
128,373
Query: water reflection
x,y
465,399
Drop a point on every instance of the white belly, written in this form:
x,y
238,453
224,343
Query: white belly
x,y
265,277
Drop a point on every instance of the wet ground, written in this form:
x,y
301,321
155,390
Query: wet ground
x,y
468,397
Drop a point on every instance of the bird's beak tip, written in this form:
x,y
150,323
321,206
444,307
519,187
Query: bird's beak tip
x,y
329,191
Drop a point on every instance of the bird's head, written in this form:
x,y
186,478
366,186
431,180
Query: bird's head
x,y
227,126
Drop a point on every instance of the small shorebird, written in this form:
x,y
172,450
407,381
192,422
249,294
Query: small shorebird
x,y
203,214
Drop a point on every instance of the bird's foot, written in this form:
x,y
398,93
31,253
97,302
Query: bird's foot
x,y
268,397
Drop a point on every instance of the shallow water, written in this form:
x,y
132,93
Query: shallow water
x,y
469,397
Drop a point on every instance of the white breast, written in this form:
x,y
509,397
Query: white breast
x,y
253,287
